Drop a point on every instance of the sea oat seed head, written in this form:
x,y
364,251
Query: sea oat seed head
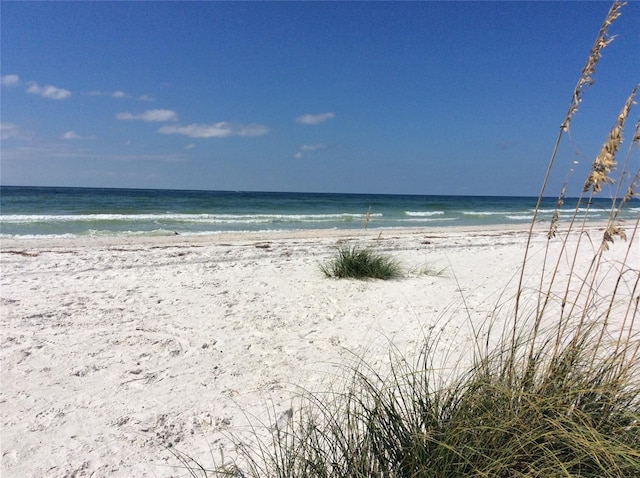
x,y
605,161
586,77
610,233
553,228
631,190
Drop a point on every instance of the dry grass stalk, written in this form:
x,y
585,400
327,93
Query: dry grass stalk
x,y
628,324
613,230
631,190
605,161
586,77
600,174
367,218
553,228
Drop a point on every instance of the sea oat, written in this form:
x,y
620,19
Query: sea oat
x,y
605,161
553,228
610,233
632,189
367,218
586,77
636,136
612,230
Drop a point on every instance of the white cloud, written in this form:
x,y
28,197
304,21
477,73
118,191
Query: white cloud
x,y
48,91
314,119
10,80
115,94
70,135
150,115
221,129
12,131
119,94
74,135
308,148
9,131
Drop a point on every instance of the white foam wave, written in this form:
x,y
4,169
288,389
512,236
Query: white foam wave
x,y
188,218
424,213
486,213
520,218
429,219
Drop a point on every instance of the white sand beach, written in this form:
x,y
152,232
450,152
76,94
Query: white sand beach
x,y
115,348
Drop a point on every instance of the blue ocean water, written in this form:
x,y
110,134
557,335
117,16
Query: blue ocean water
x,y
40,211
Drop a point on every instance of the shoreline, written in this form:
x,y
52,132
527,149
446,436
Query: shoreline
x,y
293,234
114,348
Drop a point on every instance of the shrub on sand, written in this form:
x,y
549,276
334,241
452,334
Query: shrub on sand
x,y
359,262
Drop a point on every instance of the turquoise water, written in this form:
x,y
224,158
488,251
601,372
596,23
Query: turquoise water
x,y
38,211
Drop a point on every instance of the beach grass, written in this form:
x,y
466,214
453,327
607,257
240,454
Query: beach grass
x,y
357,262
556,395
506,416
428,269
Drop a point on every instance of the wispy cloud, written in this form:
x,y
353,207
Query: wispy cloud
x,y
71,150
119,94
312,119
43,150
163,158
72,135
13,131
308,148
221,129
10,80
9,131
48,91
150,115
112,94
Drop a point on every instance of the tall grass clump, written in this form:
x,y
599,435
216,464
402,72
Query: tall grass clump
x,y
555,416
358,262
556,395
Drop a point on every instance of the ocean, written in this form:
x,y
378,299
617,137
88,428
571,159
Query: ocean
x,y
60,212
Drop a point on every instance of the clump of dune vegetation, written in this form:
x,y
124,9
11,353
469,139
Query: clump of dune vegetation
x,y
557,395
358,262
509,415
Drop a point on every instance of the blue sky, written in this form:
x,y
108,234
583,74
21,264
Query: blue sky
x,y
385,97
